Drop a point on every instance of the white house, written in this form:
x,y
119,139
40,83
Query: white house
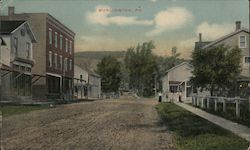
x,y
176,82
94,86
80,83
238,38
16,59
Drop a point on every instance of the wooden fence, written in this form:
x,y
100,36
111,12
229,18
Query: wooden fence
x,y
205,103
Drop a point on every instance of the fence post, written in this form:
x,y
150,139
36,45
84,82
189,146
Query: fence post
x,y
207,102
237,108
202,102
224,105
215,104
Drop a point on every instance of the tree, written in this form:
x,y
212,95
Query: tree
x,y
142,67
216,68
110,71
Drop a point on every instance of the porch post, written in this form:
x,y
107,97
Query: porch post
x,y
207,102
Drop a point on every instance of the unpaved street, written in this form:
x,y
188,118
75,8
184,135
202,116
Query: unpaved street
x,y
106,124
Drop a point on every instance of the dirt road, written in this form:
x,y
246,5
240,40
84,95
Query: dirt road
x,y
100,125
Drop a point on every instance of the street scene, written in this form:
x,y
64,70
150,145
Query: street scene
x,y
123,124
134,75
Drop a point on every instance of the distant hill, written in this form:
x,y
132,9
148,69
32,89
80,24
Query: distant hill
x,y
100,54
89,59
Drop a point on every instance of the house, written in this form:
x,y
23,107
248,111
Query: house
x,y
238,38
53,72
94,86
80,83
176,81
16,59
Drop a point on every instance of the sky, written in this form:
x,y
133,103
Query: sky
x,y
115,25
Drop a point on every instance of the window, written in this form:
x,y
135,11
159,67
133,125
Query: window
x,y
50,59
70,64
65,64
66,45
61,41
50,36
70,47
15,45
242,42
28,50
55,39
55,60
173,89
61,65
247,60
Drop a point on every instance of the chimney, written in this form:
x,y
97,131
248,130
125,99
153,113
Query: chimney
x,y
238,25
200,37
11,10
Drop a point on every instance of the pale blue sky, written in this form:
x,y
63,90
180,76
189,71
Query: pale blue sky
x,y
167,22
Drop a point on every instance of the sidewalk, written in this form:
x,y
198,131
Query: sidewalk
x,y
236,128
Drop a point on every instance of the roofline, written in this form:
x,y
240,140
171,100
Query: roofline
x,y
43,13
18,27
225,37
178,66
32,34
72,32
2,41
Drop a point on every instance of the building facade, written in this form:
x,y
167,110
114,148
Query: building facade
x,y
94,86
54,57
238,38
16,59
175,82
80,83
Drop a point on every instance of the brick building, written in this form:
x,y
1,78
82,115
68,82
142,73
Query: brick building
x,y
53,72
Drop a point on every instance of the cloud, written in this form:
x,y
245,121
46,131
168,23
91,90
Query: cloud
x,y
102,16
214,31
171,19
153,0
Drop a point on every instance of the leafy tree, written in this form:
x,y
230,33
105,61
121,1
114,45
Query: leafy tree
x,y
110,71
216,68
142,67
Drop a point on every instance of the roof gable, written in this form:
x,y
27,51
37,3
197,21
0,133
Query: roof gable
x,y
7,27
225,37
177,66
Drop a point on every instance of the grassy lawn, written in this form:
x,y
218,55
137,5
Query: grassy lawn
x,y
194,133
8,110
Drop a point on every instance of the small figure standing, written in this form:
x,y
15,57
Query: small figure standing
x,y
160,96
180,94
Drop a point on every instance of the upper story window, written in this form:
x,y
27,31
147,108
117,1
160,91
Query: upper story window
x,y
28,50
70,64
55,39
242,41
70,47
50,59
61,64
61,38
55,60
66,45
50,36
65,64
15,45
247,60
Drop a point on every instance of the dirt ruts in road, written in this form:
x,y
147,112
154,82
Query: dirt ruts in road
x,y
107,124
